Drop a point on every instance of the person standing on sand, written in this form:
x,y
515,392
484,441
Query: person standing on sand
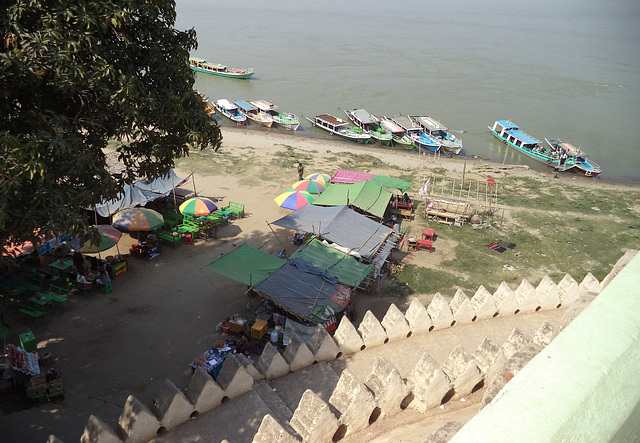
x,y
300,171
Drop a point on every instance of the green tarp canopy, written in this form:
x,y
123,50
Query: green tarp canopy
x,y
349,271
246,265
366,196
391,182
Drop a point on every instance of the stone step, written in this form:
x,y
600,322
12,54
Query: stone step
x,y
279,409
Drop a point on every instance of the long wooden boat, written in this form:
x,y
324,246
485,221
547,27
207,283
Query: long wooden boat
x,y
439,132
229,110
288,121
339,127
398,135
253,113
416,134
370,123
201,65
510,133
583,164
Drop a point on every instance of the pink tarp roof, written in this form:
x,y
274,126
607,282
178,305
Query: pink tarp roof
x,y
345,176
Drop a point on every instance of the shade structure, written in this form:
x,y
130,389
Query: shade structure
x,y
322,178
309,185
294,199
198,206
109,237
137,219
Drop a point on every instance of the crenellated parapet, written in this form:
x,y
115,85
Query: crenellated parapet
x,y
353,403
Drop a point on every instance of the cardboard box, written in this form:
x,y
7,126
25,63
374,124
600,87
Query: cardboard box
x,y
237,325
258,329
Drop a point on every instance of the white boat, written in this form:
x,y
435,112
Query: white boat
x,y
288,121
370,123
229,110
253,113
339,127
416,134
439,132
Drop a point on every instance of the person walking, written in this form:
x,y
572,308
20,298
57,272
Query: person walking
x,y
300,171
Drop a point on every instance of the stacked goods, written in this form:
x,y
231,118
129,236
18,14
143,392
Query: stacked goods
x,y
55,388
37,386
258,329
54,383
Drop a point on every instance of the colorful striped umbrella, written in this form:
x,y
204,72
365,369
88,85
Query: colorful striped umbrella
x,y
137,219
322,178
198,206
311,186
109,237
294,199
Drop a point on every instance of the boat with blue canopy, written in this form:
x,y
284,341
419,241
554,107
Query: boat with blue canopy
x,y
511,134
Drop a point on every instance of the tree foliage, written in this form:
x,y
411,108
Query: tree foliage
x,y
74,76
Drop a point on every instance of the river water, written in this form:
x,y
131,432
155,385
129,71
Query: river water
x,y
567,69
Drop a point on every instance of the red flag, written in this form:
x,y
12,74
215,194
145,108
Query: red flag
x,y
490,180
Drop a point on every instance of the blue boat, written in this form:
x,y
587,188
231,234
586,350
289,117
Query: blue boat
x,y
585,165
416,134
510,133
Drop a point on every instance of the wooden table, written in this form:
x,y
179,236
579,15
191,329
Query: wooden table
x,y
42,300
62,267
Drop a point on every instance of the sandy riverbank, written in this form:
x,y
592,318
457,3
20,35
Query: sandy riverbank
x,y
163,313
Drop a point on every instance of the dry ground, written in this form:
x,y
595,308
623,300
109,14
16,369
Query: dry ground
x,y
163,313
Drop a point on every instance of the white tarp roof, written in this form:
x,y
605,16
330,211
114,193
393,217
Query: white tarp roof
x,y
141,192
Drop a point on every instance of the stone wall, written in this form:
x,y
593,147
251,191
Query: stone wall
x,y
355,403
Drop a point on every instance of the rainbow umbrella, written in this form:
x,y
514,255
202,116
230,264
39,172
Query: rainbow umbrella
x,y
109,237
294,199
322,178
198,206
137,219
311,186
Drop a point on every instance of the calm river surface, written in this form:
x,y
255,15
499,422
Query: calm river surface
x,y
566,69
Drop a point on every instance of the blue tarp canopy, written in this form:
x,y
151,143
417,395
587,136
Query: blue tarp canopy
x,y
340,225
305,291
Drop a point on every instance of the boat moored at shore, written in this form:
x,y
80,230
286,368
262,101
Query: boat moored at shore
x,y
398,135
201,65
439,132
583,163
288,121
511,134
416,134
253,113
339,127
229,110
370,123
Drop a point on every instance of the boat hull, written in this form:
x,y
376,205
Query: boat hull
x,y
544,159
201,65
347,134
583,163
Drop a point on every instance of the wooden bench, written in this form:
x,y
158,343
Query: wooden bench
x,y
234,208
174,240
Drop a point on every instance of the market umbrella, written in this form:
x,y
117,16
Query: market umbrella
x,y
309,185
322,178
198,206
294,199
109,237
137,219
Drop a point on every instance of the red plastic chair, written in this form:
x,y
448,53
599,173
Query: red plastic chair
x,y
424,244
